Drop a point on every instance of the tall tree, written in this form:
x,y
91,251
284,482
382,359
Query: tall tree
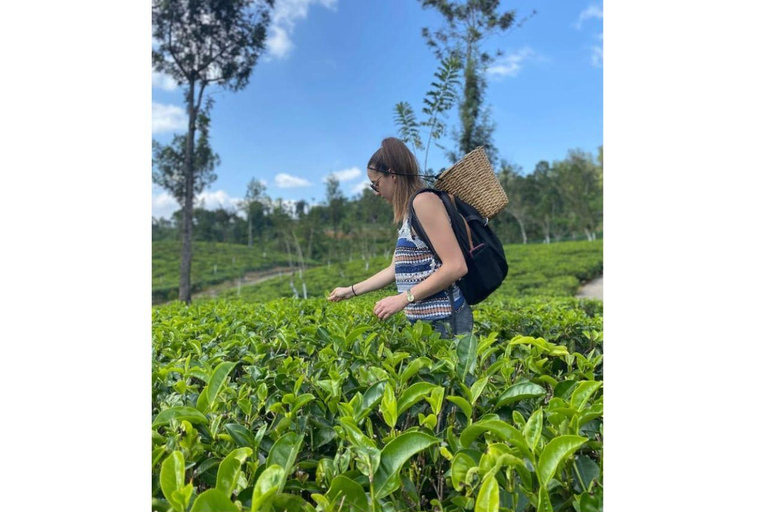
x,y
468,25
201,43
520,195
169,162
253,206
579,183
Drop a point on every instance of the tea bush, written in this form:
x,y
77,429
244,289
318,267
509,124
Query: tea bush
x,y
302,405
548,270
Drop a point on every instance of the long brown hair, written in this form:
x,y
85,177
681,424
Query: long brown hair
x,y
394,157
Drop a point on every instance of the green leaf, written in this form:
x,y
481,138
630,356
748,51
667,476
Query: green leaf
x,y
466,350
388,406
266,488
370,399
218,377
354,496
557,450
179,413
488,497
213,500
301,401
564,389
586,470
412,395
291,503
583,392
520,391
229,469
477,389
413,367
172,478
460,464
544,505
283,454
532,429
463,405
241,435
501,429
394,455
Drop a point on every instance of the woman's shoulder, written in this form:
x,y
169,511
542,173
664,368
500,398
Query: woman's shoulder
x,y
427,201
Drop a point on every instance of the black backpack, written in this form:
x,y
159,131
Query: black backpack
x,y
483,252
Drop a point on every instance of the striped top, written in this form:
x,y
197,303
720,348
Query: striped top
x,y
414,262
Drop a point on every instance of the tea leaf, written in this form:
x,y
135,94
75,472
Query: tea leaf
x,y
463,405
500,428
266,487
554,453
213,500
350,491
179,413
520,391
172,479
412,395
461,463
583,392
394,455
229,469
532,429
283,454
466,350
488,497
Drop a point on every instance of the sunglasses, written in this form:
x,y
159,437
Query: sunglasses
x,y
375,185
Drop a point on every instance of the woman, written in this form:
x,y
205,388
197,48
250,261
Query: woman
x,y
425,286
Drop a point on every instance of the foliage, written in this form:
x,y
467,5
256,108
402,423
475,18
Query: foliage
x,y
554,270
308,405
202,43
214,263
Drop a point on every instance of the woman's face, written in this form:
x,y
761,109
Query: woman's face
x,y
382,184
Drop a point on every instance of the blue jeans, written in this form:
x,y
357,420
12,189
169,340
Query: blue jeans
x,y
464,322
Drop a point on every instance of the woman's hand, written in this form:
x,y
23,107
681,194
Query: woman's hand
x,y
388,306
341,293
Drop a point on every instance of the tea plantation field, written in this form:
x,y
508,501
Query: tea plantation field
x,y
302,405
553,270
212,263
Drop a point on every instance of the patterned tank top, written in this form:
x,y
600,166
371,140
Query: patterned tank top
x,y
414,262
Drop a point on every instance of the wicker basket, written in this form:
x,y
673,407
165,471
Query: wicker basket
x,y
473,181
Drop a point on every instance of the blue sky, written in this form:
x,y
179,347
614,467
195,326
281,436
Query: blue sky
x,y
322,97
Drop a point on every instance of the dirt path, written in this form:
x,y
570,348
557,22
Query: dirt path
x,y
592,290
249,278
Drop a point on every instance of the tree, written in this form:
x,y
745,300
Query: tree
x,y
468,25
438,101
202,43
548,203
169,163
520,195
253,206
578,181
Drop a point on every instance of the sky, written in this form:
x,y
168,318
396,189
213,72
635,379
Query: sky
x,y
321,97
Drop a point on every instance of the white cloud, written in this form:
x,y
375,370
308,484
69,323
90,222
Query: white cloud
x,y
212,200
163,204
593,11
283,180
163,81
510,65
597,56
359,187
168,118
284,17
346,174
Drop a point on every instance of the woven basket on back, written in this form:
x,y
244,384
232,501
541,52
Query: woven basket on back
x,y
473,181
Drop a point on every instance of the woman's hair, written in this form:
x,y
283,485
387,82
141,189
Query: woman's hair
x,y
394,157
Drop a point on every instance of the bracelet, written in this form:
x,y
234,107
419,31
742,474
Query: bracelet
x,y
353,291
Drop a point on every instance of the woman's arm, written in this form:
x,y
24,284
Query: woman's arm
x,y
377,281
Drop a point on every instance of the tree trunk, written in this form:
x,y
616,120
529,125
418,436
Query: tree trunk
x,y
522,230
185,271
250,227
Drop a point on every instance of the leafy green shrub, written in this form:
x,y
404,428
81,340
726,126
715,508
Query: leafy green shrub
x,y
308,405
